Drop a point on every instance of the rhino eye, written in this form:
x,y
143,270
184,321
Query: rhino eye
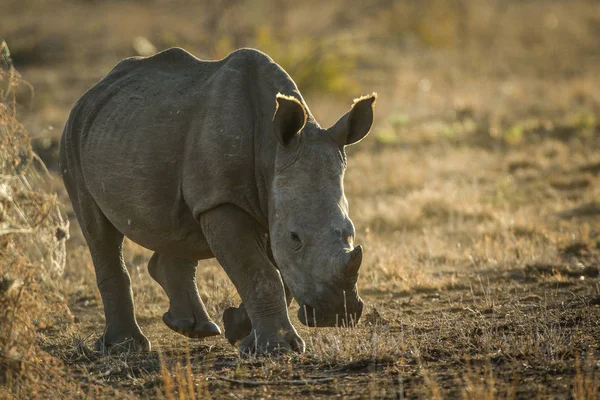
x,y
295,239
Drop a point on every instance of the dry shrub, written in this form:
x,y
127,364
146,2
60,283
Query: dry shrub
x,y
32,258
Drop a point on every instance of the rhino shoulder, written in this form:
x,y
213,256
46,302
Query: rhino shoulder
x,y
248,58
248,54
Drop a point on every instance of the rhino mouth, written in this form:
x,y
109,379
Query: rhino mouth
x,y
344,317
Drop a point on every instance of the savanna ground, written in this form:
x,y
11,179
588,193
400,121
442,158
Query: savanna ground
x,y
476,197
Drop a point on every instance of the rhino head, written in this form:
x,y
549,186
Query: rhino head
x,y
312,236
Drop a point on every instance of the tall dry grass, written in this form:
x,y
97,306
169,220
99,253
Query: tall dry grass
x,y
33,232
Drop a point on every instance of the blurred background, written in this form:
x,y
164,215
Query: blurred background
x,y
492,70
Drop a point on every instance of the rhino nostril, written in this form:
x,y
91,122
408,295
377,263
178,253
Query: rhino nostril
x,y
348,232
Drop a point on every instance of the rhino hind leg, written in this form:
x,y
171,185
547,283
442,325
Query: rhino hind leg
x,y
237,323
187,314
122,332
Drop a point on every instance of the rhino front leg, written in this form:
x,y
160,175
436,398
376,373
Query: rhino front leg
x,y
240,245
187,314
237,322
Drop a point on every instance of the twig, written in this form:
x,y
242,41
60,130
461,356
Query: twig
x,y
274,383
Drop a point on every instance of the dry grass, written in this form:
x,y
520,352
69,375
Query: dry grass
x,y
477,199
33,233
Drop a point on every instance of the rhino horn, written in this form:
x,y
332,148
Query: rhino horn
x,y
354,261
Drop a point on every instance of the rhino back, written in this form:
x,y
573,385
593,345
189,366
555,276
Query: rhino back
x,y
162,139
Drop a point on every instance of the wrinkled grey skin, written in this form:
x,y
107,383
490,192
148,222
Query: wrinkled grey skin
x,y
195,159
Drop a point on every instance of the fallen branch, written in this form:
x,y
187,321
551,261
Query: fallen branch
x,y
274,383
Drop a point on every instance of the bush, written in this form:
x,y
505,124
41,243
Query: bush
x,y
32,256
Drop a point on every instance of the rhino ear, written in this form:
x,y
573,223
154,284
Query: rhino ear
x,y
356,123
289,119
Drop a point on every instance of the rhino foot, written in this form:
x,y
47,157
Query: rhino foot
x,y
122,342
280,343
237,324
190,327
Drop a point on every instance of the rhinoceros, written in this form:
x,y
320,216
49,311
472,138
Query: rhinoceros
x,y
197,159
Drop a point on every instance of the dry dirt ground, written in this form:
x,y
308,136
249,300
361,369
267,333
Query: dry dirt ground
x,y
476,198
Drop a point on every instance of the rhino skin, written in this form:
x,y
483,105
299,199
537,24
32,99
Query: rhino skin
x,y
196,159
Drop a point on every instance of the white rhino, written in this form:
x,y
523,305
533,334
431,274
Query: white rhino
x,y
197,159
